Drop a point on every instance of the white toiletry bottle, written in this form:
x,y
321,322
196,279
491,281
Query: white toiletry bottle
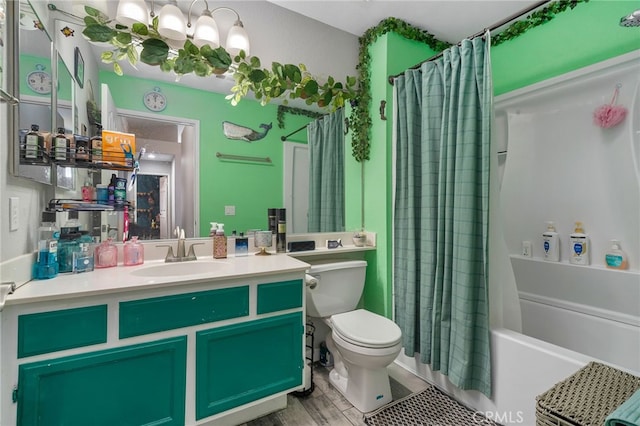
x,y
551,243
579,246
615,258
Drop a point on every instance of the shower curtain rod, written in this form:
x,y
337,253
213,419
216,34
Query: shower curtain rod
x,y
480,33
285,137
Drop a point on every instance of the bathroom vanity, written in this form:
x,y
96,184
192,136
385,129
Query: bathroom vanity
x,y
196,343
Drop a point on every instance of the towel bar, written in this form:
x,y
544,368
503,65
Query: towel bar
x,y
243,158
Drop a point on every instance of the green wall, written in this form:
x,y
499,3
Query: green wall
x,y
576,38
28,64
251,187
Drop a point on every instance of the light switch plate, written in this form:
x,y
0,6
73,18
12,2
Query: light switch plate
x,y
14,213
229,210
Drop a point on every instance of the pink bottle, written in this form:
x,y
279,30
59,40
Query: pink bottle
x,y
106,255
133,252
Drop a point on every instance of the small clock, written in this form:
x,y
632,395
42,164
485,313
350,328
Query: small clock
x,y
155,100
39,80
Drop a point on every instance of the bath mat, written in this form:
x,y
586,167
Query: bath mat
x,y
429,407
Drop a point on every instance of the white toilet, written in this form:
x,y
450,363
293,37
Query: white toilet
x,y
362,343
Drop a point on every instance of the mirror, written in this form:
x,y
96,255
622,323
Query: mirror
x,y
90,92
35,87
4,33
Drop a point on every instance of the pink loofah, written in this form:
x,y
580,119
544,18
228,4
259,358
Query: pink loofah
x,y
610,115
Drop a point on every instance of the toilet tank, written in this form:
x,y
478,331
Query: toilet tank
x,y
339,287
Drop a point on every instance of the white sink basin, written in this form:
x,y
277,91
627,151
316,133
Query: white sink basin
x,y
180,268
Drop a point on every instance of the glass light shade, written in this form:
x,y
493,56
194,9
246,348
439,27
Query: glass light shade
x,y
171,23
130,12
206,32
175,44
237,40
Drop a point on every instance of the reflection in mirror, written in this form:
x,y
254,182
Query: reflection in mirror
x,y
64,119
164,189
35,86
4,89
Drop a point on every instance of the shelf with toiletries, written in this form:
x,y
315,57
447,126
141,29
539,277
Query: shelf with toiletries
x,y
62,205
115,152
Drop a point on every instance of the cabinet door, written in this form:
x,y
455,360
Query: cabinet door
x,y
244,362
134,385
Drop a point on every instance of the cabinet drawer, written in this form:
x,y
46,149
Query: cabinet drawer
x,y
279,296
52,331
138,317
141,384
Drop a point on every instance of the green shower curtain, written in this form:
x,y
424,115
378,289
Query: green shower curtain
x,y
443,123
326,173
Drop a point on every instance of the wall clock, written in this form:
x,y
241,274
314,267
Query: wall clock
x,y
155,100
39,80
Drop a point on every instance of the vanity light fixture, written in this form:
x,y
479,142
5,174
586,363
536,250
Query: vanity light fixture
x,y
173,25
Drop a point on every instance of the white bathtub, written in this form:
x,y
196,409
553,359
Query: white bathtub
x,y
523,367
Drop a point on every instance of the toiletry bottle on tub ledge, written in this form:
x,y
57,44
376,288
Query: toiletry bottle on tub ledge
x,y
615,258
550,243
579,246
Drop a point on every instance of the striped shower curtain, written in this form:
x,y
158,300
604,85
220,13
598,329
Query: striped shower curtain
x,y
326,173
443,121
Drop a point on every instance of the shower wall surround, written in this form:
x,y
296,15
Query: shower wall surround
x,y
557,165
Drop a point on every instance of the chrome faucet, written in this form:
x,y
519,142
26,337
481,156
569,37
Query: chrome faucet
x,y
181,255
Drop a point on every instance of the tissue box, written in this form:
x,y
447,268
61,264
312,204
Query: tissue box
x,y
118,148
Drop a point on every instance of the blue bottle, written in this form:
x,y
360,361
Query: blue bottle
x,y
46,265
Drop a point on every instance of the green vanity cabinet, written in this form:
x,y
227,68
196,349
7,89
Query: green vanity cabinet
x,y
175,355
240,363
140,384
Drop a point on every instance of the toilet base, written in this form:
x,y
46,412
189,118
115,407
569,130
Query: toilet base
x,y
367,390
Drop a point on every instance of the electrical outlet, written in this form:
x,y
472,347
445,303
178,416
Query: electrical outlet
x,y
229,210
527,249
14,213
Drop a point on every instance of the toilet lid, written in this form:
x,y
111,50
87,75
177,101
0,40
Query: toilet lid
x,y
364,328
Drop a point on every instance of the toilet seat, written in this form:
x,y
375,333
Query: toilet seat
x,y
366,329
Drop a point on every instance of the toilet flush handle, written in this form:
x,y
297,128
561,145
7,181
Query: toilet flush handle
x,y
310,281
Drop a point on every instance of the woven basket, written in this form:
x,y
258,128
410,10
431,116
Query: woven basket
x,y
586,398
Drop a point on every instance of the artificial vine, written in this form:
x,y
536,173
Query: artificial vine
x,y
360,119
280,81
283,109
284,81
536,18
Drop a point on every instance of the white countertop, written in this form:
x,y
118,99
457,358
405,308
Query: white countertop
x,y
127,278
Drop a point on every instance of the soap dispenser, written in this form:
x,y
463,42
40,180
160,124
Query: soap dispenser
x,y
615,258
220,243
579,246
